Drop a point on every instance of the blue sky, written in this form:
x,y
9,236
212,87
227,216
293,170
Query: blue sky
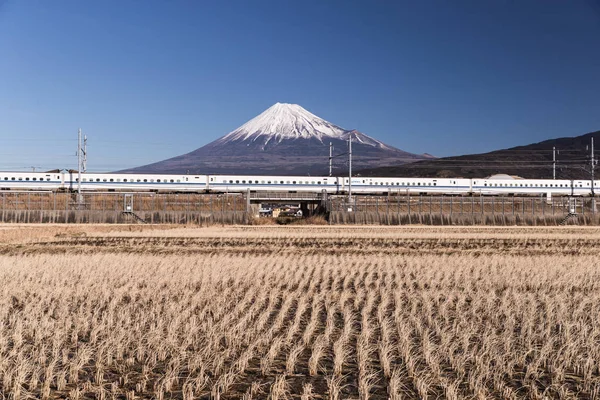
x,y
148,80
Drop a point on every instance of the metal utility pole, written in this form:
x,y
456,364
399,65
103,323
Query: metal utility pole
x,y
553,162
349,167
330,157
593,177
79,164
84,161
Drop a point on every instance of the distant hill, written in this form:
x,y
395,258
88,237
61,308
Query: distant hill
x,y
285,139
533,161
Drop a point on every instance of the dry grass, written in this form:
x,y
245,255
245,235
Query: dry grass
x,y
300,313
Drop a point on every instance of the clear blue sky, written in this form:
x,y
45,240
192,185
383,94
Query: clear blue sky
x,y
148,80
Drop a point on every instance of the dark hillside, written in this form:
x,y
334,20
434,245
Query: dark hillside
x,y
533,161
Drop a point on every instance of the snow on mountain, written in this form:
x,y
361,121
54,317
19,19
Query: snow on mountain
x,y
284,121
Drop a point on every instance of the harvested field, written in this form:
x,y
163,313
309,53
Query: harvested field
x,y
134,312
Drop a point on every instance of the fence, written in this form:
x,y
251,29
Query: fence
x,y
463,210
234,209
122,208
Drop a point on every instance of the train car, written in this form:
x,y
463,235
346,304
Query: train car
x,y
521,186
369,185
31,181
138,182
243,183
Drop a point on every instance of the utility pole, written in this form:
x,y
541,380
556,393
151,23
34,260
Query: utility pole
x,y
593,177
84,161
79,199
349,168
330,157
553,162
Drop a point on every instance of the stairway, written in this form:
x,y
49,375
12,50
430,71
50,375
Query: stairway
x,y
568,217
135,217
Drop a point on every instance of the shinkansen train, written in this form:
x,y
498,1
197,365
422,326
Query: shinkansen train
x,y
69,181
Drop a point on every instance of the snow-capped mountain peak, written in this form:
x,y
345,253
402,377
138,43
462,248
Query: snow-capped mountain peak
x,y
285,139
284,121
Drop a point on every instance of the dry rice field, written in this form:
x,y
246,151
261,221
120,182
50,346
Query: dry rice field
x,y
155,312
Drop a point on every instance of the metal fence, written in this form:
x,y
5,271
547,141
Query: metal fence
x,y
122,207
150,202
237,208
460,205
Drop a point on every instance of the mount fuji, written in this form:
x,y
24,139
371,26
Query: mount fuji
x,y
285,139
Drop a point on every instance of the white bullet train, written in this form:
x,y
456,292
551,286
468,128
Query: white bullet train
x,y
109,182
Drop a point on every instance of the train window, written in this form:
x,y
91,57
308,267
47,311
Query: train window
x,y
158,180
294,182
112,180
281,182
26,179
20,179
260,181
97,179
76,179
145,180
243,181
237,181
434,183
178,180
125,180
287,182
269,182
256,182
172,181
35,179
48,179
485,184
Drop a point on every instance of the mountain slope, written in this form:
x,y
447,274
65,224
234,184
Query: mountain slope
x,y
285,139
533,161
